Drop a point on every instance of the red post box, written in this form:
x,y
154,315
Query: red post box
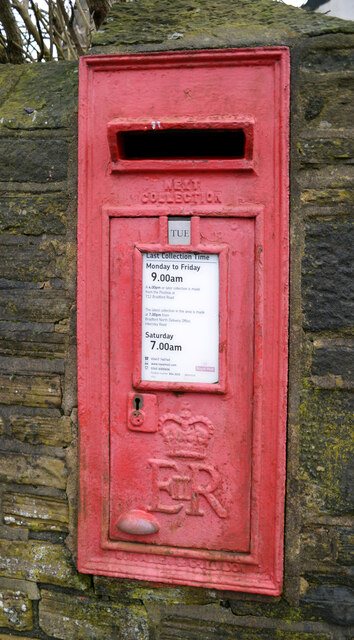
x,y
182,318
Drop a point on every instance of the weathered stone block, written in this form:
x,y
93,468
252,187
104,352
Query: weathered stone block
x,y
317,544
33,215
325,150
183,629
328,196
327,575
326,100
49,89
345,546
13,533
326,451
41,562
327,178
29,366
36,470
280,613
15,610
31,338
38,513
67,617
277,610
33,160
328,284
31,259
246,619
55,432
9,76
31,390
148,592
41,305
328,60
6,637
23,586
333,359
333,603
23,286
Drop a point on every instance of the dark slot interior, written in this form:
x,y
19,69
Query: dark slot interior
x,y
187,144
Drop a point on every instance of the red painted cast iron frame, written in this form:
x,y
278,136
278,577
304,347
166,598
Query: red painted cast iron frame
x,y
260,570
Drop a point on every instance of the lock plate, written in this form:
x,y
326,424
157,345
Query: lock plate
x,y
142,412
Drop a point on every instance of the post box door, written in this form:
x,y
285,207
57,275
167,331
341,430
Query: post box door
x,y
180,445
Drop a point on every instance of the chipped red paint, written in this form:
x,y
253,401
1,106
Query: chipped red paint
x,y
181,482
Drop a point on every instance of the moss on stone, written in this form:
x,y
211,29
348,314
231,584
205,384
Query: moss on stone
x,y
326,99
281,610
327,282
33,214
39,561
67,617
281,634
154,21
9,76
15,609
42,160
128,590
47,91
326,450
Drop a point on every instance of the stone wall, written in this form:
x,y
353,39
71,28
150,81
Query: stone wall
x,y
41,594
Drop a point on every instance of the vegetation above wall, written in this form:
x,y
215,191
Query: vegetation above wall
x,y
49,30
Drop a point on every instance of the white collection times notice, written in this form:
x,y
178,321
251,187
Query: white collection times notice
x,y
180,317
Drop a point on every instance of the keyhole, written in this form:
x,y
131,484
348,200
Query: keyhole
x,y
137,403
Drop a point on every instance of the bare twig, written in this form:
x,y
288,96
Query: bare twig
x,y
55,29
83,16
14,42
64,36
31,28
41,43
70,28
50,16
60,52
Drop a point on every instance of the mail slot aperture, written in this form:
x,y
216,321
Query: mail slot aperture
x,y
189,145
170,144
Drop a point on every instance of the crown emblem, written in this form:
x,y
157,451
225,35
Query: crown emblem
x,y
185,435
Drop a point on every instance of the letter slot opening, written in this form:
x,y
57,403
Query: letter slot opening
x,y
182,144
